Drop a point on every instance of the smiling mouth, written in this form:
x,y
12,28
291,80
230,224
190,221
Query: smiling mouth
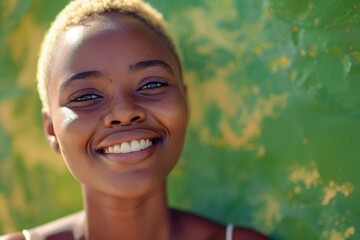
x,y
129,147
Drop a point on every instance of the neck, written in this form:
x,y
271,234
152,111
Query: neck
x,y
111,217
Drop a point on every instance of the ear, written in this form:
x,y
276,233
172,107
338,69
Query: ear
x,y
184,86
49,131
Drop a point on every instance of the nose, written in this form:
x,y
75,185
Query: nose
x,y
124,112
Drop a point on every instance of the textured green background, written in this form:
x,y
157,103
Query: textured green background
x,y
274,139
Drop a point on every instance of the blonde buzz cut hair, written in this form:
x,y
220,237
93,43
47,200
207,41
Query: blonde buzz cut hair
x,y
78,11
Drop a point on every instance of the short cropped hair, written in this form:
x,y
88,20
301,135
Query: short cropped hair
x,y
76,12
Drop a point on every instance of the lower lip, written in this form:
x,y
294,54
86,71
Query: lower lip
x,y
131,157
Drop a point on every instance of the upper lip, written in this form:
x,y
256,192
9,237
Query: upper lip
x,y
127,136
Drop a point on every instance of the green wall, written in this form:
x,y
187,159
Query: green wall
x,y
274,138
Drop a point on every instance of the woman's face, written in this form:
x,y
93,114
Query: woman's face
x,y
118,110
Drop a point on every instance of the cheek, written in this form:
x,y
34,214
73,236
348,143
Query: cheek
x,y
67,117
73,130
174,115
175,118
71,122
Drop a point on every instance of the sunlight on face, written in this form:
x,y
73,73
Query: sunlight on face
x,y
69,116
74,34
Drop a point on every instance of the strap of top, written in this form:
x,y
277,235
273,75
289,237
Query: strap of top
x,y
26,234
229,231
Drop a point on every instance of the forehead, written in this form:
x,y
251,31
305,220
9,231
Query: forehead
x,y
105,39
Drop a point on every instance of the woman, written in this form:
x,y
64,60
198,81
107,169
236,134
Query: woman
x,y
115,108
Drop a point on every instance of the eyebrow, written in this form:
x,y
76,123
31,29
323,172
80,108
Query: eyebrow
x,y
133,68
81,75
151,63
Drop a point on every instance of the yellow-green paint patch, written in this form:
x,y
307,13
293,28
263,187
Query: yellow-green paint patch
x,y
333,189
338,235
308,176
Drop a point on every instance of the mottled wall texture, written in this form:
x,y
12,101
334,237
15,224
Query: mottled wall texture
x,y
274,138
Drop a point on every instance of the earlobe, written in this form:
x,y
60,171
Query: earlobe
x,y
49,131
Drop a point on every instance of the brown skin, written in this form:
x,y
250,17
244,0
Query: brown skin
x,y
133,91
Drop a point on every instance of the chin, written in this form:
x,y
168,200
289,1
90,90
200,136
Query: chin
x,y
129,189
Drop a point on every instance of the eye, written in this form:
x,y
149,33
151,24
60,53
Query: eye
x,y
85,97
153,85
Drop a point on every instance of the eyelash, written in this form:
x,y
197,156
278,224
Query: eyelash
x,y
153,85
93,96
85,97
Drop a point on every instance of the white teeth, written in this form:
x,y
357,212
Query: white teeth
x,y
126,147
116,148
135,146
142,143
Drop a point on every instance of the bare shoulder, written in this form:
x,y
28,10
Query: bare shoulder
x,y
187,225
13,236
63,228
191,226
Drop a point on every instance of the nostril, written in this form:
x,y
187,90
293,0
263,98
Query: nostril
x,y
123,118
135,119
115,122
